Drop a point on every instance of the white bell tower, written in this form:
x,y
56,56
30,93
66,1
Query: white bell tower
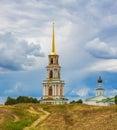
x,y
99,90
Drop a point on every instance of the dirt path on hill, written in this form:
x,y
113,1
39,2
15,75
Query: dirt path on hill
x,y
39,120
16,118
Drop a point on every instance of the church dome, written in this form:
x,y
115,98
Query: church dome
x,y
99,80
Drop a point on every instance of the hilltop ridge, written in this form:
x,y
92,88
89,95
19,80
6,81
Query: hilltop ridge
x,y
70,116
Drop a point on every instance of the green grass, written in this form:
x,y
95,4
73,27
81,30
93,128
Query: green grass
x,y
62,117
21,111
19,125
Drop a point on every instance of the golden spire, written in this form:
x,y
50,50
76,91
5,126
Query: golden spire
x,y
53,42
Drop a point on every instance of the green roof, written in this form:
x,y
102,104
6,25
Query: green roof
x,y
88,99
108,100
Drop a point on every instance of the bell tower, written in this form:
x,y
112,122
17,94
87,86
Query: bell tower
x,y
53,86
100,90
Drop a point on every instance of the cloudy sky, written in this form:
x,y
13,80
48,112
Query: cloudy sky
x,y
86,36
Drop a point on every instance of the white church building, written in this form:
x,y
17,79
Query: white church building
x,y
99,97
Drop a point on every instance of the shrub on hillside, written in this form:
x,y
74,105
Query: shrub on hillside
x,y
116,99
10,101
73,101
20,99
78,101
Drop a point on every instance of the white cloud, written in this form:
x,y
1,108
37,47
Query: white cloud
x,y
111,93
2,100
115,91
17,54
101,49
104,65
83,92
17,88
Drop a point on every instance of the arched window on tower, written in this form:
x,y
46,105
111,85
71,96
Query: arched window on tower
x,y
50,91
51,74
51,61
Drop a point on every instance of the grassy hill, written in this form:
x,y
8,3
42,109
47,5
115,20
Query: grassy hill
x,y
61,117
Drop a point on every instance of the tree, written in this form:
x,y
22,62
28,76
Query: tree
x,y
10,101
20,99
79,101
73,101
116,99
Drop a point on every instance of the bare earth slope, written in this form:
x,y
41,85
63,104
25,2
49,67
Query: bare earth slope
x,y
61,117
80,117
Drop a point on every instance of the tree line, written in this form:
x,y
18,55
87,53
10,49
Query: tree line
x,y
78,101
21,99
26,99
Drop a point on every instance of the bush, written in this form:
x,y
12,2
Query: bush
x,y
20,99
72,102
116,99
78,101
10,101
